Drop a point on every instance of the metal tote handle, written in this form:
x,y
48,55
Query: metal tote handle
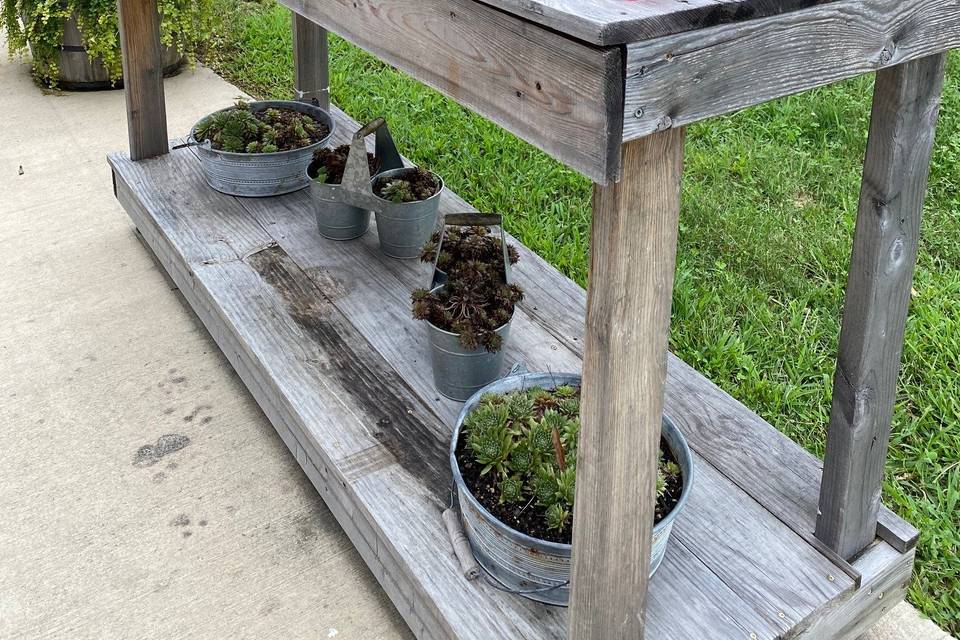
x,y
473,219
356,184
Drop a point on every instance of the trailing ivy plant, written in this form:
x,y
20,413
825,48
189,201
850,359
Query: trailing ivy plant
x,y
528,440
37,26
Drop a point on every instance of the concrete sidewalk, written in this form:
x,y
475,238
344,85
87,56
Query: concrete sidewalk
x,y
144,494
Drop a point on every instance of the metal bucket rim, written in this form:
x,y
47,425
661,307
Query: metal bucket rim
x,y
386,174
560,548
267,104
455,335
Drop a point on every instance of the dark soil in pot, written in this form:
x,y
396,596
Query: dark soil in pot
x,y
527,516
410,185
333,162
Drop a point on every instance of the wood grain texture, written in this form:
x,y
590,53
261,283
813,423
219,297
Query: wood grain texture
x,y
143,77
906,104
632,261
625,21
295,314
677,80
558,94
311,60
886,576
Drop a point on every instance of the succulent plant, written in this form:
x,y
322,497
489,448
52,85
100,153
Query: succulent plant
x,y
529,438
240,130
463,244
410,185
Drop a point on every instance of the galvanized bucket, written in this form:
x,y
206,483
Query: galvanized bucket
x,y
261,174
531,567
336,219
459,372
404,227
343,214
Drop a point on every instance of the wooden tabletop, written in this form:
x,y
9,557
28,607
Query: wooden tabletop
x,y
608,22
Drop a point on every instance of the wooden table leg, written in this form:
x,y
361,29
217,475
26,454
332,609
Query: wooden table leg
x,y
311,61
632,263
143,78
905,107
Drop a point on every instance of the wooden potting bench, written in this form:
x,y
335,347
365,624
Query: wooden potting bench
x,y
773,543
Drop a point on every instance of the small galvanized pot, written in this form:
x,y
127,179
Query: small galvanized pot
x,y
337,219
459,372
534,568
261,174
404,227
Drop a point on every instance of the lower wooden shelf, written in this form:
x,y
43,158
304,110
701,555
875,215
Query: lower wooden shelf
x,y
321,334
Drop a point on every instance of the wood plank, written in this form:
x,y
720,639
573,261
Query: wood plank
x,y
906,104
370,299
676,80
143,77
311,60
242,300
632,262
276,307
618,22
558,94
887,574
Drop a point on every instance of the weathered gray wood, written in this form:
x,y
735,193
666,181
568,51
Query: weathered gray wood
x,y
291,312
143,77
371,300
619,22
311,60
632,259
906,103
250,321
563,96
886,577
677,80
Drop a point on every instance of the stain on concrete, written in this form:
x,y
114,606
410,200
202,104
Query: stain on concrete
x,y
178,380
207,420
187,534
159,477
190,417
172,371
172,466
168,411
202,523
182,520
150,454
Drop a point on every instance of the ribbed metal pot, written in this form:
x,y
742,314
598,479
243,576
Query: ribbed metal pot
x,y
259,175
535,568
404,227
336,219
457,371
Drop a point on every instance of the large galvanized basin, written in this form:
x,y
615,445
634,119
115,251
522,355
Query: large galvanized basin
x,y
261,174
531,567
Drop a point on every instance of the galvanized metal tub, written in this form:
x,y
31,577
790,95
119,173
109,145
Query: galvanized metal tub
x,y
404,227
459,372
336,219
259,175
534,568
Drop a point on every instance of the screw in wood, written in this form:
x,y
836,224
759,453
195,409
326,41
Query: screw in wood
x,y
831,578
638,113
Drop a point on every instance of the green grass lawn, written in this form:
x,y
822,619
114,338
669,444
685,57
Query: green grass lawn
x,y
769,200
